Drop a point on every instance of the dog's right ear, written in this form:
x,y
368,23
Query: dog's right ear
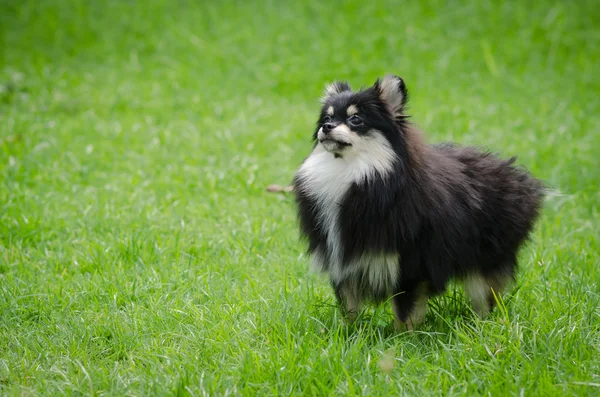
x,y
393,92
334,89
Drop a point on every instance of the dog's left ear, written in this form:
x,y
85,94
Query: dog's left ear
x,y
335,88
393,92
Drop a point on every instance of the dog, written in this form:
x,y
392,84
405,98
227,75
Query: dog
x,y
390,217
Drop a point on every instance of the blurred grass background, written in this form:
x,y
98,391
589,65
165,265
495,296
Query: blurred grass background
x,y
140,254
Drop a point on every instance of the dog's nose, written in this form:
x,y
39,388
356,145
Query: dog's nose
x,y
328,127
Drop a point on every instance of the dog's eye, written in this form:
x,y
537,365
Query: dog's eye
x,y
327,119
355,121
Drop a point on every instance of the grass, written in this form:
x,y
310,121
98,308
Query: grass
x,y
141,255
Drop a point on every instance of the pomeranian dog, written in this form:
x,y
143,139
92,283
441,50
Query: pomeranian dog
x,y
390,217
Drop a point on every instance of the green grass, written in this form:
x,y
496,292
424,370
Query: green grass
x,y
141,255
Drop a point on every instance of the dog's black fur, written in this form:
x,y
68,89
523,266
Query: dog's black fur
x,y
445,211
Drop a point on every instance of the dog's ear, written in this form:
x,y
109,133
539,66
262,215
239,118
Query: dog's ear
x,y
335,88
393,92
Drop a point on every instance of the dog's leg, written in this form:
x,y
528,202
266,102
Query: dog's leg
x,y
481,290
410,305
348,299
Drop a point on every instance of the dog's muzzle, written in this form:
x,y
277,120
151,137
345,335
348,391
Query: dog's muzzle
x,y
334,138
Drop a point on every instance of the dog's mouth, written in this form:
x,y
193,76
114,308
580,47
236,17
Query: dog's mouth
x,y
332,145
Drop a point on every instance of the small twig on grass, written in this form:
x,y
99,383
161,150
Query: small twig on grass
x,y
280,189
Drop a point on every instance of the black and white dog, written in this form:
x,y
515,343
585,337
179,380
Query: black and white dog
x,y
390,217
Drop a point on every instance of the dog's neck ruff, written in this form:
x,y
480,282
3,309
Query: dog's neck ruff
x,y
325,175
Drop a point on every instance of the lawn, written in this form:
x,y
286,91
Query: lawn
x,y
141,255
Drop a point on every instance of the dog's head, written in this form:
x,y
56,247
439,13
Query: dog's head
x,y
362,121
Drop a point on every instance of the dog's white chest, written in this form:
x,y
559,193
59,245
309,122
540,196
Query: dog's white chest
x,y
326,180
